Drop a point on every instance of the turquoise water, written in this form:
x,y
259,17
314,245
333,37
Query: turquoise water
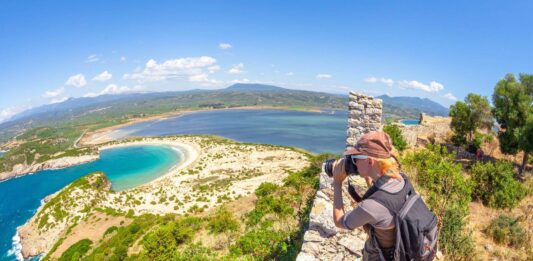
x,y
126,167
410,122
129,166
315,132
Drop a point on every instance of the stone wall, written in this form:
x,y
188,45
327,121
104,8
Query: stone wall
x,y
364,116
324,241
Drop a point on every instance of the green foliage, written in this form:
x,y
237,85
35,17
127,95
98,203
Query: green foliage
x,y
507,230
266,188
115,247
512,109
222,221
163,242
76,251
447,192
468,116
259,243
495,184
396,136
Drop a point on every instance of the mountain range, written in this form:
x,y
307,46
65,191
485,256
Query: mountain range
x,y
87,110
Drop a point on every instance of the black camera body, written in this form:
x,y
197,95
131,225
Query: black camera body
x,y
349,166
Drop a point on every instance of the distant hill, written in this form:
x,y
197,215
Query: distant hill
x,y
422,104
107,110
254,87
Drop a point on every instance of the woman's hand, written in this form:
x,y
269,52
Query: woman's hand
x,y
339,171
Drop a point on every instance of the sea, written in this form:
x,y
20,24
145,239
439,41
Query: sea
x,y
127,167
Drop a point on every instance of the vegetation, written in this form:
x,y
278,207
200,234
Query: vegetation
x,y
42,144
507,230
512,101
494,184
396,136
222,221
447,192
469,116
76,251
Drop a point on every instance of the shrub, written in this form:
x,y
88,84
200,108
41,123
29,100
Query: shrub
x,y
495,184
77,250
222,221
507,230
396,136
266,188
447,193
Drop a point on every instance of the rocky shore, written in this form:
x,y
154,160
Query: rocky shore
x,y
23,169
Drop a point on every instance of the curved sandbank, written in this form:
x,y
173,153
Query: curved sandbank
x,y
189,153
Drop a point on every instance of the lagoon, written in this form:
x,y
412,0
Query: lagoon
x,y
314,131
126,167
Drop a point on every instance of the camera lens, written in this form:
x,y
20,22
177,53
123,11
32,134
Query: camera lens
x,y
328,167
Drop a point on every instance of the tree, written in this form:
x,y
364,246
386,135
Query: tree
x,y
513,110
468,116
396,136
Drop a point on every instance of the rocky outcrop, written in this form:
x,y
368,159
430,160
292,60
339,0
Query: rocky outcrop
x,y
22,169
59,211
430,130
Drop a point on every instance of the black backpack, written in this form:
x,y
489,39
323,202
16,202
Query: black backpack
x,y
416,225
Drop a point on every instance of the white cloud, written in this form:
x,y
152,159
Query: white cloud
x,y
7,113
289,74
387,81
92,58
58,100
77,80
344,88
114,89
177,68
323,76
123,59
104,76
203,77
213,68
244,80
450,96
236,69
224,45
432,87
54,93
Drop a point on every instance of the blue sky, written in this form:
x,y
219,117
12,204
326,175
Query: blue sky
x,y
441,50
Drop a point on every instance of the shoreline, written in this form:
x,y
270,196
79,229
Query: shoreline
x,y
59,163
190,155
101,136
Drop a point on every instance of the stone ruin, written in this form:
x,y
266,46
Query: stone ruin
x,y
323,240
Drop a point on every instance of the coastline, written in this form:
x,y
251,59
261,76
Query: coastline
x,y
190,154
101,136
28,243
20,170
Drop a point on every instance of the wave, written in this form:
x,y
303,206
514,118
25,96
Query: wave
x,y
16,249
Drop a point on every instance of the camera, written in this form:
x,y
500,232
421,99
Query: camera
x,y
349,166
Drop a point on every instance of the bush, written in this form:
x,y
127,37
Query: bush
x,y
266,188
222,221
447,193
396,136
495,185
506,230
77,250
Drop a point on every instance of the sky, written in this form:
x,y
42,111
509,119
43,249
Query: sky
x,y
441,50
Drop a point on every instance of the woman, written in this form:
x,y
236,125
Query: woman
x,y
373,158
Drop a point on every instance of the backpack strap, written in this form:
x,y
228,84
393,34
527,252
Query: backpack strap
x,y
393,201
376,186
